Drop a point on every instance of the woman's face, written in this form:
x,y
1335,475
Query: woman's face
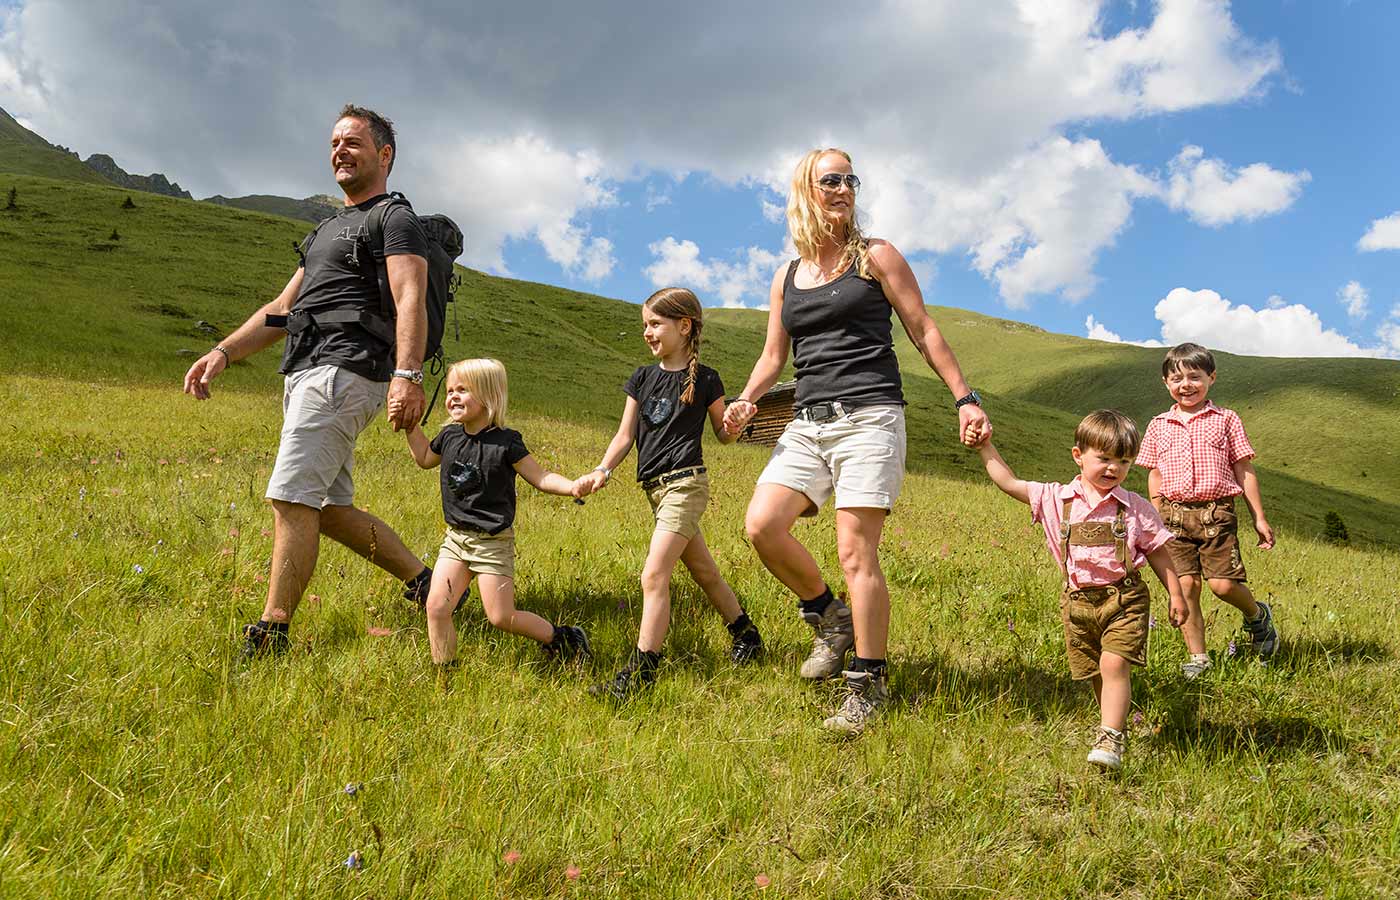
x,y
838,205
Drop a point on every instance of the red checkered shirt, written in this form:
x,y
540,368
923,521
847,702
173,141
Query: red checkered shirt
x,y
1196,456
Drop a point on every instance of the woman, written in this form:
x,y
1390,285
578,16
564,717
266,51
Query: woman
x,y
833,306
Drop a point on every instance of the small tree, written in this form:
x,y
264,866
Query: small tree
x,y
115,236
14,195
127,203
1334,529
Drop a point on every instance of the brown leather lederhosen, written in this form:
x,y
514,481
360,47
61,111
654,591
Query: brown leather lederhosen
x,y
1092,613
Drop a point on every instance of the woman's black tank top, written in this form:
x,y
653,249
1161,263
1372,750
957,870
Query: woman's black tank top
x,y
841,343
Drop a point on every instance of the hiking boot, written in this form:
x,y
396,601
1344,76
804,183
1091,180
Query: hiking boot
x,y
1263,636
570,643
866,692
834,638
415,589
259,640
638,674
746,645
1107,752
1195,667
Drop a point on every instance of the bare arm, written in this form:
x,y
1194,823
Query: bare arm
x,y
542,479
408,282
420,448
1161,562
716,412
770,361
1001,473
1249,480
902,290
1154,487
250,337
617,451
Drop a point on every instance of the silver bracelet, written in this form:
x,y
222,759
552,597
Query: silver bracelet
x,y
228,360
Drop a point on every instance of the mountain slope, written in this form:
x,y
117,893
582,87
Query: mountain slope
x,y
23,152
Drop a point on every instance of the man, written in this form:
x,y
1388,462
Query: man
x,y
337,364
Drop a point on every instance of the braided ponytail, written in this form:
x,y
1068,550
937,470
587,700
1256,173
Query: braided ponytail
x,y
679,303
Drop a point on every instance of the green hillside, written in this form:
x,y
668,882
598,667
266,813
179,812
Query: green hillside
x,y
23,152
309,209
127,309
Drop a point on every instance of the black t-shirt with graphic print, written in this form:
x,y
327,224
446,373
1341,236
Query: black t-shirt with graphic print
x,y
336,278
478,476
668,431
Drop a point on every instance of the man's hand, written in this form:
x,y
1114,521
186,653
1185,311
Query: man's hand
x,y
204,370
973,425
588,484
1266,534
737,415
406,401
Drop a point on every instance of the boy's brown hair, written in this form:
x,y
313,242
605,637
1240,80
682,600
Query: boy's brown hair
x,y
1110,431
1188,356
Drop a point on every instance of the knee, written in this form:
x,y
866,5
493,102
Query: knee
x,y
1221,587
655,579
500,615
858,562
440,606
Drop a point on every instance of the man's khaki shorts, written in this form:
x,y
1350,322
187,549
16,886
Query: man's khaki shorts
x,y
678,505
482,553
1110,618
1207,538
324,409
859,457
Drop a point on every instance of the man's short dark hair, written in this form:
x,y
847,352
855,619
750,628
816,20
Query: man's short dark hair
x,y
380,128
1188,356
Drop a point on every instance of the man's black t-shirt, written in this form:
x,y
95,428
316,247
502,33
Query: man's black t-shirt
x,y
668,431
335,278
477,475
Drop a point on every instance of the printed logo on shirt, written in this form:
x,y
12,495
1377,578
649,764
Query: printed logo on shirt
x,y
463,478
657,410
353,235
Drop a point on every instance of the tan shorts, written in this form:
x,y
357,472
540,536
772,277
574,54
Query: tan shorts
x,y
481,553
324,409
1207,538
1111,618
859,457
678,505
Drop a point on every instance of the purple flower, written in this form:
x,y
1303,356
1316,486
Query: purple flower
x,y
1137,718
353,788
1011,625
1151,621
1232,649
138,568
353,861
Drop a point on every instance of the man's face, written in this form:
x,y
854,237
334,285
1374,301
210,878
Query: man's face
x,y
354,159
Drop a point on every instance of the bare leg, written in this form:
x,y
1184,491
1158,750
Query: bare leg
x,y
368,536
450,579
1194,631
498,599
705,571
1113,687
858,546
769,521
1237,594
296,539
666,548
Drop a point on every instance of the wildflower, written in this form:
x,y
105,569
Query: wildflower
x,y
1151,621
572,872
233,532
946,550
353,788
138,568
1137,718
233,506
762,880
82,494
376,631
1232,649
353,861
1011,625
510,857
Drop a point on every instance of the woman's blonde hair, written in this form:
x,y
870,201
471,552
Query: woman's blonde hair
x,y
484,379
679,303
809,229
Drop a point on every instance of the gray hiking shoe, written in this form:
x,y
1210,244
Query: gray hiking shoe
x,y
866,692
834,638
1195,667
1107,752
1263,636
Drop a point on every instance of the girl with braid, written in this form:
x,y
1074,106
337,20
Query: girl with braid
x,y
667,405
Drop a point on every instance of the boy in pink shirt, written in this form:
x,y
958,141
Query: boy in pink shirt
x,y
1100,535
1199,461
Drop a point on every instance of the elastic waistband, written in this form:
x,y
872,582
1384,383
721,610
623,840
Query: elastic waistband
x,y
668,477
1098,593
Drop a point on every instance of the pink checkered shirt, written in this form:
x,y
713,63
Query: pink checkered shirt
x,y
1196,456
1095,566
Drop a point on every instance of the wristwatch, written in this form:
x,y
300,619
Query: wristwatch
x,y
607,473
413,375
972,399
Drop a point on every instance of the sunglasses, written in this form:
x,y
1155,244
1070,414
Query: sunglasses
x,y
832,181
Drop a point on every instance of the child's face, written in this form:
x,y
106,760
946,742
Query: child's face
x,y
664,336
1189,387
461,405
1102,469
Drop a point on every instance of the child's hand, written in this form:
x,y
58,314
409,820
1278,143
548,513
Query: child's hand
x,y
587,484
737,415
1266,534
1178,613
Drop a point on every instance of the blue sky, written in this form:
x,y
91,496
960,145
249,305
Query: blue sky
x,y
1158,171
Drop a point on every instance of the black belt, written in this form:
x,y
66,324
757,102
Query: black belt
x,y
827,411
658,481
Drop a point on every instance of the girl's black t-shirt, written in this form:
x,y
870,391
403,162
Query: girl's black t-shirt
x,y
668,431
478,476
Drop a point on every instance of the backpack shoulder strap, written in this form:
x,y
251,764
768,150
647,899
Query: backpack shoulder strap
x,y
374,224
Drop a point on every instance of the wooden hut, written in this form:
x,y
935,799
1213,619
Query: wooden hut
x,y
774,413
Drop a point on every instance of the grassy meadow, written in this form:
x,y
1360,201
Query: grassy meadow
x,y
140,757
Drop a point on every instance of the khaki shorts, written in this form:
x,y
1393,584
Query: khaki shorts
x,y
1207,538
859,457
324,409
1110,618
481,553
678,505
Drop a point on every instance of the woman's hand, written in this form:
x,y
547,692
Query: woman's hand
x,y
737,415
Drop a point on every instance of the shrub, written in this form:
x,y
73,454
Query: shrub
x,y
1334,529
128,203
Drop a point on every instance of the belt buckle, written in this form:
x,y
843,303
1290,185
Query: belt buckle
x,y
828,411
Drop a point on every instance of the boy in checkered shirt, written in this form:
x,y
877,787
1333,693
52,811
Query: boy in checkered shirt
x,y
1199,462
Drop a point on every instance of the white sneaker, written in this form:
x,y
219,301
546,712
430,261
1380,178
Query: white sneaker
x,y
1107,752
1195,667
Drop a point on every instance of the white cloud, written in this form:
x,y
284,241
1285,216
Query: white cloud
x,y
745,279
1384,234
1275,301
1354,299
1097,331
1294,330
1213,194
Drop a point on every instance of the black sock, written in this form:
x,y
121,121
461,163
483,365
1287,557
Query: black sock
x,y
740,625
876,667
817,604
281,627
425,575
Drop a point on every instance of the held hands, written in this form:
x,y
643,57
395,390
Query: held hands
x,y
406,401
1266,534
204,370
974,428
737,415
588,484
